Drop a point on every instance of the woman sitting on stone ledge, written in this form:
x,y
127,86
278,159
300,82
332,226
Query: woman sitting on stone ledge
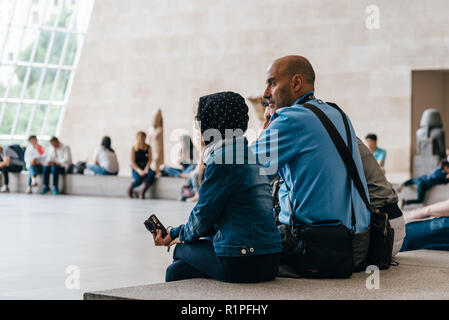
x,y
234,209
140,165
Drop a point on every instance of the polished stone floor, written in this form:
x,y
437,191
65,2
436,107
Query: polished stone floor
x,y
46,240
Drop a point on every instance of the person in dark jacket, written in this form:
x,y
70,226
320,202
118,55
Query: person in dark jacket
x,y
423,183
9,162
234,210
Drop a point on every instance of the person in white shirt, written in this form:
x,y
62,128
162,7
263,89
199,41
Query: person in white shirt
x,y
34,158
105,159
58,162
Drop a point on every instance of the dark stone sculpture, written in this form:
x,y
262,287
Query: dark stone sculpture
x,y
430,143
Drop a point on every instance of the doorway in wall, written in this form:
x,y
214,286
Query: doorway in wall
x,y
430,90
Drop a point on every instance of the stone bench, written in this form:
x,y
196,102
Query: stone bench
x,y
421,274
100,186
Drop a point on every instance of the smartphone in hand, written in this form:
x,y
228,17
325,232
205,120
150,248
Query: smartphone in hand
x,y
153,223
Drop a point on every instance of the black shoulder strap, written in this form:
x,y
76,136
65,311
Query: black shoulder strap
x,y
349,144
342,150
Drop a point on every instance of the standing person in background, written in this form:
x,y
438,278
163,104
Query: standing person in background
x,y
378,153
106,162
140,164
58,162
34,159
9,162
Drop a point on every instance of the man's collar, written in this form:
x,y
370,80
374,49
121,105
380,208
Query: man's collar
x,y
306,97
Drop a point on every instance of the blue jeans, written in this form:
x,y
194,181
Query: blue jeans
x,y
428,234
193,181
100,170
6,170
138,180
33,172
421,187
55,171
173,172
198,260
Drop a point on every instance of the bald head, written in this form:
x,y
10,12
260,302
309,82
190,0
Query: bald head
x,y
288,79
292,65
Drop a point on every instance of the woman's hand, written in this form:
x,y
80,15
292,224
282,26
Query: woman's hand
x,y
159,241
176,241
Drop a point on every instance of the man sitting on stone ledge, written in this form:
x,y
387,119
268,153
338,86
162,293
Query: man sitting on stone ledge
x,y
316,181
58,162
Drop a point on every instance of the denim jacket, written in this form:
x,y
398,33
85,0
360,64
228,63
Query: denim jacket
x,y
234,206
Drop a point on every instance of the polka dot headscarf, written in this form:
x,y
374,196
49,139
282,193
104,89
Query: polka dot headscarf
x,y
222,110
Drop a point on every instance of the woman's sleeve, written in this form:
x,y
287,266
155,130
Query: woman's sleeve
x,y
213,194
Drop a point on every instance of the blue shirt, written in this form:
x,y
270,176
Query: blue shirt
x,y
380,155
315,176
235,205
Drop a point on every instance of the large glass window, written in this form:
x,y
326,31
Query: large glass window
x,y
40,44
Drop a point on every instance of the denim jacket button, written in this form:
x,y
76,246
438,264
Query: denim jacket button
x,y
251,250
243,251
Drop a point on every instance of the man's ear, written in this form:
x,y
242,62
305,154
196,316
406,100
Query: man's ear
x,y
297,82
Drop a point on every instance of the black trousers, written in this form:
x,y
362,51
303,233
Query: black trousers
x,y
6,170
198,260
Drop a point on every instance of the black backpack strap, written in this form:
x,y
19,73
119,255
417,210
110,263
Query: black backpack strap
x,y
343,151
349,144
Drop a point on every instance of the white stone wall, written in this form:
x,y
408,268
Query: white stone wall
x,y
140,55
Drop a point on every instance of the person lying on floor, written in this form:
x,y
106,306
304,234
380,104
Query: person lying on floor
x,y
234,206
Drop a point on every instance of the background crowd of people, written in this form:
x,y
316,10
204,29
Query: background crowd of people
x,y
57,161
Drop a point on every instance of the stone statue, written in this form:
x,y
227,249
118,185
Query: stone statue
x,y
430,144
157,141
258,107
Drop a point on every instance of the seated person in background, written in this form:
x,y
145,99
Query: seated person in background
x,y
234,206
432,233
186,157
9,162
140,164
194,181
423,183
378,153
58,162
447,153
34,159
105,159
